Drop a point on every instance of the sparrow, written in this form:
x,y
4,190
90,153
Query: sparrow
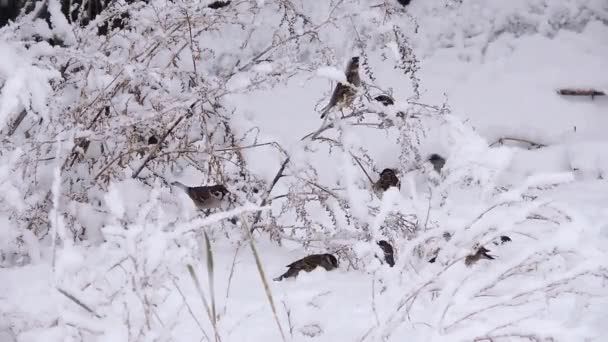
x,y
437,161
389,255
503,239
388,178
309,263
344,94
385,100
447,236
218,4
204,197
481,253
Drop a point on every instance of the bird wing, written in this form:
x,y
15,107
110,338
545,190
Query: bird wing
x,y
334,99
199,193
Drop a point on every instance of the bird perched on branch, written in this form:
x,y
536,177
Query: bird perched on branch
x,y
389,253
481,253
309,263
344,94
388,178
205,197
385,100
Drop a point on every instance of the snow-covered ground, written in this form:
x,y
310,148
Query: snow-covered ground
x,y
488,71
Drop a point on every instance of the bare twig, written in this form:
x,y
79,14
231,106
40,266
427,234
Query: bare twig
x,y
78,302
156,147
580,92
190,310
210,268
331,124
199,289
529,142
191,46
362,168
265,201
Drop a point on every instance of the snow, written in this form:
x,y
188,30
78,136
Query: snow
x,y
106,259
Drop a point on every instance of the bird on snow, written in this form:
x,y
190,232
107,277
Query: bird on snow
x,y
437,161
389,253
503,239
481,253
205,197
309,263
388,178
344,94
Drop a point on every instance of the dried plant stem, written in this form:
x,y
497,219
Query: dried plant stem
x,y
325,126
232,268
199,289
362,168
156,147
190,310
191,45
78,302
260,268
210,269
266,200
526,141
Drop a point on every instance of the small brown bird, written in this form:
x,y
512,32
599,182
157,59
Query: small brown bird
x,y
204,197
437,161
388,178
344,94
385,100
309,263
481,253
218,4
389,253
503,239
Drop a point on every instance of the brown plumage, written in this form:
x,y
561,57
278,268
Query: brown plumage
x,y
389,253
218,4
481,253
344,94
388,178
309,263
204,197
385,100
503,239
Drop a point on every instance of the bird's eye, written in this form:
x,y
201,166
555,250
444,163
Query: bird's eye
x,y
217,193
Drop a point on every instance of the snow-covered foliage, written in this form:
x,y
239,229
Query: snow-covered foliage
x,y
95,245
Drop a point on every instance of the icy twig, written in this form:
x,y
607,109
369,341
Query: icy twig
x,y
266,200
78,302
260,269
